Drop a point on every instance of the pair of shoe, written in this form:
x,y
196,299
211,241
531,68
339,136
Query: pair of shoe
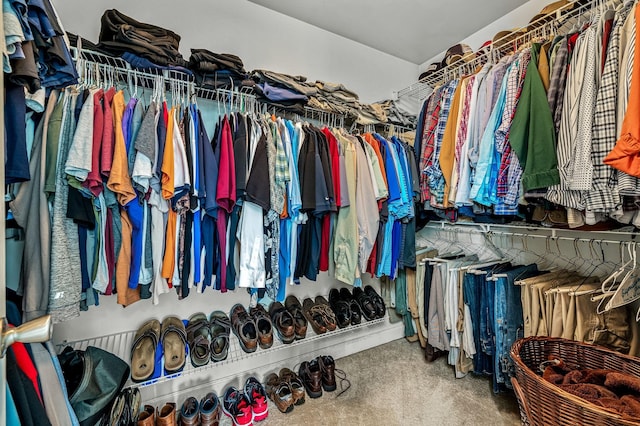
x,y
319,314
205,412
124,410
318,374
165,416
171,335
252,328
248,405
208,337
288,319
350,308
285,390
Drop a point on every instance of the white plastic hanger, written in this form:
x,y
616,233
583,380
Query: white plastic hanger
x,y
625,294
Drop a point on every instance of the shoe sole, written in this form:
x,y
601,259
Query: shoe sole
x,y
258,417
233,419
329,388
313,394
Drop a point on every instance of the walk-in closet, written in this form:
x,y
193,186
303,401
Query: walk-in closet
x,y
330,213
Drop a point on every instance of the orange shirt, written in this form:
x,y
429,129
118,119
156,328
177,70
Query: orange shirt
x,y
119,179
168,171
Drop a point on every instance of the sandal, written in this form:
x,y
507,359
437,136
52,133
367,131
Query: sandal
x,y
295,309
329,316
174,344
220,327
198,338
143,351
314,315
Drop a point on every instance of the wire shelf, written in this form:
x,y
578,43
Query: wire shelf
x,y
564,19
120,344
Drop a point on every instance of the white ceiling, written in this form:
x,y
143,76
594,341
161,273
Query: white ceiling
x,y
414,30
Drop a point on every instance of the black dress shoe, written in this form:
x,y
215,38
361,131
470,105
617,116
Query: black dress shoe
x,y
340,308
366,304
356,313
377,300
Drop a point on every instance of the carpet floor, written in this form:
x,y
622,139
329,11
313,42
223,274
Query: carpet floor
x,y
392,384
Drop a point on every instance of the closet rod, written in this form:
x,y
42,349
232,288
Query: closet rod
x,y
532,229
527,235
566,16
109,65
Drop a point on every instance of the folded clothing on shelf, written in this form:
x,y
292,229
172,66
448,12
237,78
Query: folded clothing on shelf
x,y
120,33
218,70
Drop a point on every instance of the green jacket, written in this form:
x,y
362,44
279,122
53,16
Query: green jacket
x,y
532,135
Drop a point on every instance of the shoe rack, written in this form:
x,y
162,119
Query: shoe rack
x,y
197,381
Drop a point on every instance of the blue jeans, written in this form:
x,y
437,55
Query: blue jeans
x,y
472,287
509,323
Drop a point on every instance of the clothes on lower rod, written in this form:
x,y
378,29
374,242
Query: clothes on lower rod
x,y
476,312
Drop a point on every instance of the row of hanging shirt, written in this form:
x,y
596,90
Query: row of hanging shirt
x,y
142,199
540,124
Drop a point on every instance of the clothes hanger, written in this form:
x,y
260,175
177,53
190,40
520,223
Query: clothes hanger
x,y
624,290
607,293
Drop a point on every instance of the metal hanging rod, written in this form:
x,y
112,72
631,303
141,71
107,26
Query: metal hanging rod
x,y
562,20
111,69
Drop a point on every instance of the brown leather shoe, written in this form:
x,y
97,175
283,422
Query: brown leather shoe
x,y
295,384
315,316
279,392
295,309
264,325
327,367
190,412
283,322
311,377
328,315
244,328
167,415
147,417
210,410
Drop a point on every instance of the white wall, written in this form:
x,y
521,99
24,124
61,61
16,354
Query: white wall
x,y
518,18
261,37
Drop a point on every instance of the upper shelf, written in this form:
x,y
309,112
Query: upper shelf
x,y
564,18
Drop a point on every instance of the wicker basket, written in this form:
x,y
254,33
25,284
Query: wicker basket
x,y
543,403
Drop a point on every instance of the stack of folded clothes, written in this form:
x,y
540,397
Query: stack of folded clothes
x,y
612,390
217,70
36,53
395,114
120,33
336,98
283,91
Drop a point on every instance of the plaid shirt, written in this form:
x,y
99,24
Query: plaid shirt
x,y
604,195
461,136
555,95
428,137
433,171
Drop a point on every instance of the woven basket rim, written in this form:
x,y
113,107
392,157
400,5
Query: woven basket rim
x,y
582,403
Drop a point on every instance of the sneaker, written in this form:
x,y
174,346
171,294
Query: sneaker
x,y
236,405
257,396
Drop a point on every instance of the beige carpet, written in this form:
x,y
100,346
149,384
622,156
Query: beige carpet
x,y
393,385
